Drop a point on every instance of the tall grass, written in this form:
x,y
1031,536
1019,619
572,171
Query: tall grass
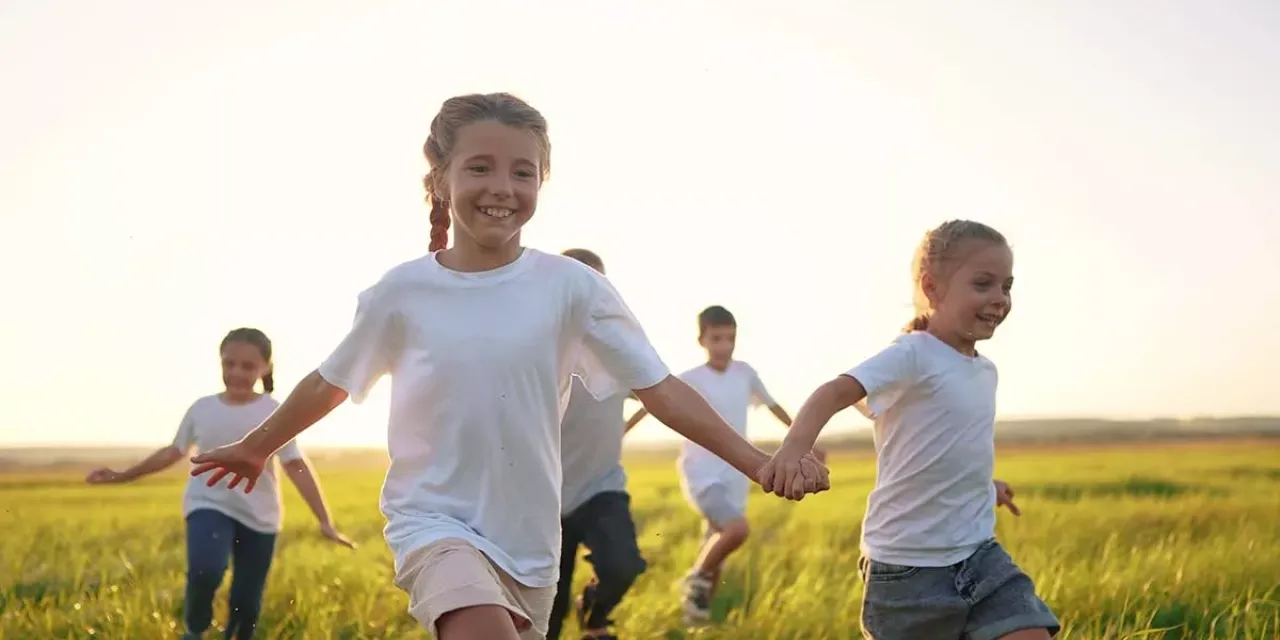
x,y
1152,542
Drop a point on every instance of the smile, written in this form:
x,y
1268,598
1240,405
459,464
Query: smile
x,y
989,319
496,212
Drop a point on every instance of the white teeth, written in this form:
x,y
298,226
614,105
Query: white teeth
x,y
495,212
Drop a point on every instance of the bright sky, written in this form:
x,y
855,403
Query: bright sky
x,y
171,170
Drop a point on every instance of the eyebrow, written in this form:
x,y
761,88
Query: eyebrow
x,y
488,157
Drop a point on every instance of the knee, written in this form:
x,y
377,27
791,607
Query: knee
x,y
620,568
206,576
736,531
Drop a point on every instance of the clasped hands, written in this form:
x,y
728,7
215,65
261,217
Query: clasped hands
x,y
793,473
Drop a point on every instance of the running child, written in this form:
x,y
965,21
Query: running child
x,y
224,527
480,341
931,565
595,508
717,491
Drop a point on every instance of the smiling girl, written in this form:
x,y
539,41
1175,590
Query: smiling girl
x,y
931,564
480,340
224,527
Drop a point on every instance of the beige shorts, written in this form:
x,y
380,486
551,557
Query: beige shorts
x,y
450,574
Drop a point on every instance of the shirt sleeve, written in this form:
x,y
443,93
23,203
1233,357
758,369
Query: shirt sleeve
x,y
290,452
370,349
616,355
887,375
759,394
186,436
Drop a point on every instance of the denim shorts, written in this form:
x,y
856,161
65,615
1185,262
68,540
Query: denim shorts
x,y
984,597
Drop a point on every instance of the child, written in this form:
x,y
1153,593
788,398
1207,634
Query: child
x,y
931,564
480,341
224,525
595,508
717,491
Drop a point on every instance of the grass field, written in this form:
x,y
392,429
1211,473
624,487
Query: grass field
x,y
1177,541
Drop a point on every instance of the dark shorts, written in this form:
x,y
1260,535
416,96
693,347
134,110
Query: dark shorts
x,y
984,597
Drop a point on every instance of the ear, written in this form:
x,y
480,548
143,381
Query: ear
x,y
929,285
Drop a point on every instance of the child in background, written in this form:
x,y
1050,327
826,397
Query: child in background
x,y
931,564
481,341
717,491
223,525
596,509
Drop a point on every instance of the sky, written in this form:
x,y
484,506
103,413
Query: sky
x,y
169,171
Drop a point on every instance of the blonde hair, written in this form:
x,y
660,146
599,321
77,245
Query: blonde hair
x,y
936,256
456,113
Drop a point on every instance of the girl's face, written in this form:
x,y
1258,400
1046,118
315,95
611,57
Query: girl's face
x,y
242,367
492,184
976,298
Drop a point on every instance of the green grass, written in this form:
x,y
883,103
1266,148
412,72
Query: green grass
x,y
1156,542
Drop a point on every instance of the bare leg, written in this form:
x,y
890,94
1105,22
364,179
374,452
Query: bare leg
x,y
728,539
484,622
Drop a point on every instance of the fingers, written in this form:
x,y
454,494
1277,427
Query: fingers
x,y
218,475
765,476
201,469
1013,508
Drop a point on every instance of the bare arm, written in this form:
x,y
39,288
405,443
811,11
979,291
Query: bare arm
x,y
159,460
824,403
310,401
780,413
304,478
635,419
674,403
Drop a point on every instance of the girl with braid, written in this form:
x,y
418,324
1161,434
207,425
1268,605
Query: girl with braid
x,y
480,341
224,527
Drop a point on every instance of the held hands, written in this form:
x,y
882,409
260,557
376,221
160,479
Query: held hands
x,y
1004,498
236,459
792,474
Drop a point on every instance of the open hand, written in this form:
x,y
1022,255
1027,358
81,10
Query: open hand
x,y
1004,498
792,474
235,459
328,531
103,475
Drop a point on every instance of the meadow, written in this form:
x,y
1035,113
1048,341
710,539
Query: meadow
x,y
1134,541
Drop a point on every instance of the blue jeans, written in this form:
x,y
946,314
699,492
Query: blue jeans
x,y
984,597
212,539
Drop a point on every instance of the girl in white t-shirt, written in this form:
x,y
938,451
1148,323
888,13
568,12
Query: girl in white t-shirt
x,y
931,564
480,341
225,527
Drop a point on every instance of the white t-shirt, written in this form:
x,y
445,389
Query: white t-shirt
x,y
934,500
480,366
731,393
212,423
591,446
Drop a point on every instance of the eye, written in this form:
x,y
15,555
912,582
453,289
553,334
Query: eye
x,y
477,168
525,173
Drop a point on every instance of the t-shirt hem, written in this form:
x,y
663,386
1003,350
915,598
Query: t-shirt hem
x,y
238,517
917,559
489,549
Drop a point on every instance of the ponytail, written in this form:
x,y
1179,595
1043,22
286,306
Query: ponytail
x,y
268,382
439,224
918,323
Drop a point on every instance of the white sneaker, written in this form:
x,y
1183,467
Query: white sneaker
x,y
696,603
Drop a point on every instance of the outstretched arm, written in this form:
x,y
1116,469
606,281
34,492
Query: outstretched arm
x,y
677,405
780,413
815,413
159,460
304,478
310,401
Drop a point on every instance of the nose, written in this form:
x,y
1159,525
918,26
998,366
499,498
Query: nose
x,y
500,186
